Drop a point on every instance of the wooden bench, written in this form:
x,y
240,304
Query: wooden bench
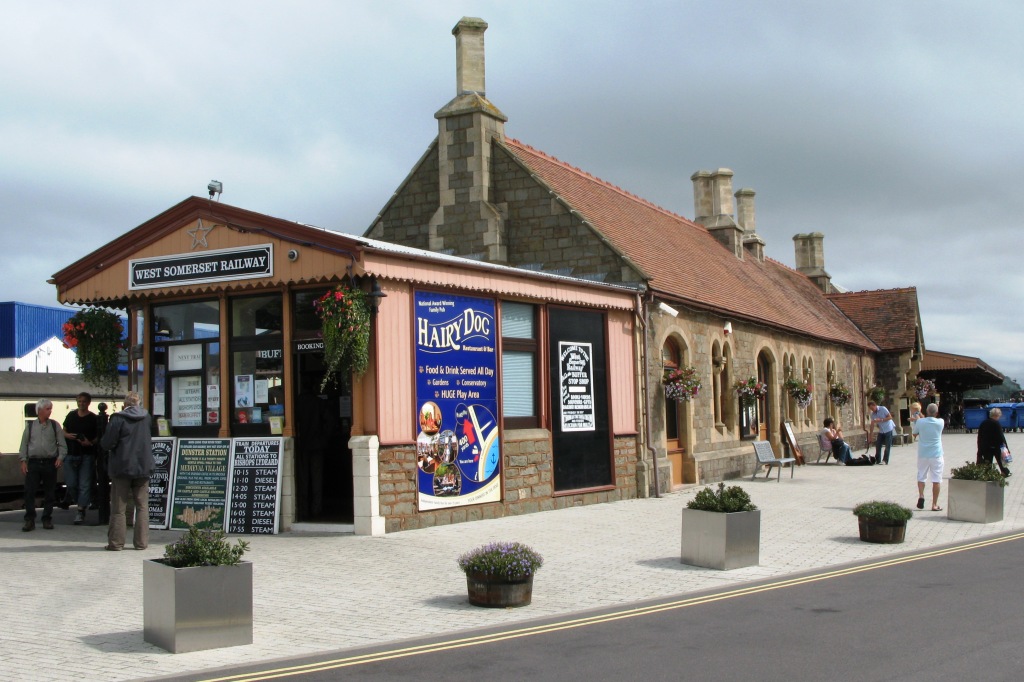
x,y
766,458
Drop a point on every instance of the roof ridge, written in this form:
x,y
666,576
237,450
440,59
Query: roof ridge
x,y
872,291
609,185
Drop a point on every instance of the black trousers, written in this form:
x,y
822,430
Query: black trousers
x,y
990,458
40,470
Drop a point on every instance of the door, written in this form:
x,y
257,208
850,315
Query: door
x,y
763,404
580,433
323,460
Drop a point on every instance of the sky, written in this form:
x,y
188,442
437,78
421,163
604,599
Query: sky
x,y
894,127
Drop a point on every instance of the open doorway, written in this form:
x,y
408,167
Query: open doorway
x,y
323,460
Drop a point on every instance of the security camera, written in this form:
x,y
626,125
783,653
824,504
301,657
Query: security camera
x,y
293,255
215,187
667,309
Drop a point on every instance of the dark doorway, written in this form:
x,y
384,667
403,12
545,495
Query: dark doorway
x,y
580,431
323,460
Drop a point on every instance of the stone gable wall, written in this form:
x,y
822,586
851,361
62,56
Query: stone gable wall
x,y
406,220
541,230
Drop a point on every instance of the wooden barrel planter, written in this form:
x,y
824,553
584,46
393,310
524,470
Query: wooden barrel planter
x,y
882,532
498,593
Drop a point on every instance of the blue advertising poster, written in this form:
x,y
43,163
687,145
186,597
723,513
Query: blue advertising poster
x,y
457,450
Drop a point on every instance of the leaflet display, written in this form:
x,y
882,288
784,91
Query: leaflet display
x,y
160,482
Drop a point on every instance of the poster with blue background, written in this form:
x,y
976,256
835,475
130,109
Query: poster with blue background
x,y
458,451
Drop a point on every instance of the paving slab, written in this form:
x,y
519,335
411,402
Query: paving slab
x,y
75,610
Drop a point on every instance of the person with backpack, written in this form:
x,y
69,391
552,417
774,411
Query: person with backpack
x,y
42,452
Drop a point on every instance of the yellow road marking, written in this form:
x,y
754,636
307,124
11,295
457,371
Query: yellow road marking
x,y
603,618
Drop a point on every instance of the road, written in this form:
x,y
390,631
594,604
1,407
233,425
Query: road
x,y
947,614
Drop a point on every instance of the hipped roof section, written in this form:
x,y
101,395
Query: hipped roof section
x,y
686,264
889,317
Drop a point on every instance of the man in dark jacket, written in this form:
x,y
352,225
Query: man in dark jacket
x,y
129,444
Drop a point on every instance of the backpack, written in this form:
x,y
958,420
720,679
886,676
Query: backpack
x,y
28,429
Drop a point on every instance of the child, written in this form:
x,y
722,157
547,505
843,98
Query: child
x,y
915,414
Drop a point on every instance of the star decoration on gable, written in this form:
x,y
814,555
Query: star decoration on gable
x,y
198,235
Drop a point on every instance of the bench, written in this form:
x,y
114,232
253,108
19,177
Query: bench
x,y
766,457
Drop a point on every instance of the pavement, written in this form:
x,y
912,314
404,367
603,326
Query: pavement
x,y
74,611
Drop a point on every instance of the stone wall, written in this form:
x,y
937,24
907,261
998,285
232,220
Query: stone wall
x,y
527,481
406,218
715,450
541,230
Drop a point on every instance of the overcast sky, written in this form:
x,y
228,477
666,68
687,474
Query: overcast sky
x,y
895,128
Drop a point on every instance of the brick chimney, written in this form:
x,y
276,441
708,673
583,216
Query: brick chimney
x,y
810,259
712,206
466,221
752,242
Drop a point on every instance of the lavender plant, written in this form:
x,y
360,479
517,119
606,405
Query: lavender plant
x,y
508,560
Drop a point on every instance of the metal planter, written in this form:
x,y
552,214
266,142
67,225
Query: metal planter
x,y
191,609
721,541
975,501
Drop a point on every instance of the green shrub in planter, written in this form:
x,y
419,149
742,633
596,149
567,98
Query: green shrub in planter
x,y
972,471
203,547
882,511
724,500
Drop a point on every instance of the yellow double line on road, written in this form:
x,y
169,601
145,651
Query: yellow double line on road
x,y
603,618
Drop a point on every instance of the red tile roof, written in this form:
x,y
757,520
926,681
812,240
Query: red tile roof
x,y
890,317
686,264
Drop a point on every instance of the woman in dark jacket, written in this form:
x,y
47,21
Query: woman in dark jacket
x,y
991,440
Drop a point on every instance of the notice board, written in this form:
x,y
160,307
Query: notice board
x,y
254,489
160,482
200,483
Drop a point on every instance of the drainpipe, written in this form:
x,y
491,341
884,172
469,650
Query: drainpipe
x,y
642,312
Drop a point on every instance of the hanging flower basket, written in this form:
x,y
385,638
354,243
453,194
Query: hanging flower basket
x,y
876,394
682,384
924,388
799,391
750,389
839,394
95,335
345,326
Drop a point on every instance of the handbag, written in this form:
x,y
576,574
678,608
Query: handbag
x,y
1004,455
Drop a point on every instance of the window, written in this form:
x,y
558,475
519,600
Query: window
x,y
519,365
186,367
257,363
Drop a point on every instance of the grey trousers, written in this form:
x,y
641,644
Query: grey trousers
x,y
122,491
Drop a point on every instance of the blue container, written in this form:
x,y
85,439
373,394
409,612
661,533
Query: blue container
x,y
973,416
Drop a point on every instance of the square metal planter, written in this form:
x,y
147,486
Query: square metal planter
x,y
975,501
722,541
191,609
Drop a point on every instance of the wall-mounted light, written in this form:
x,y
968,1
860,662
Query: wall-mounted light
x,y
375,296
727,329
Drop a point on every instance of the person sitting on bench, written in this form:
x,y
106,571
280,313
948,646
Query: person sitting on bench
x,y
833,434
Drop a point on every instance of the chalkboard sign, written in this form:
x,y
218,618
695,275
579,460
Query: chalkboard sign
x,y
254,493
200,483
160,482
790,438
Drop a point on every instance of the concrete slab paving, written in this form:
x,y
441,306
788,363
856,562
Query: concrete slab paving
x,y
74,611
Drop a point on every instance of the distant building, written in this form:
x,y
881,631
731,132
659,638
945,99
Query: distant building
x,y
30,339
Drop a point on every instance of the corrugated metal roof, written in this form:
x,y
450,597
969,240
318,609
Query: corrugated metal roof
x,y
24,326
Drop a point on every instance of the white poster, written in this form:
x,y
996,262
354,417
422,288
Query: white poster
x,y
187,409
261,392
576,378
213,396
243,390
181,358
